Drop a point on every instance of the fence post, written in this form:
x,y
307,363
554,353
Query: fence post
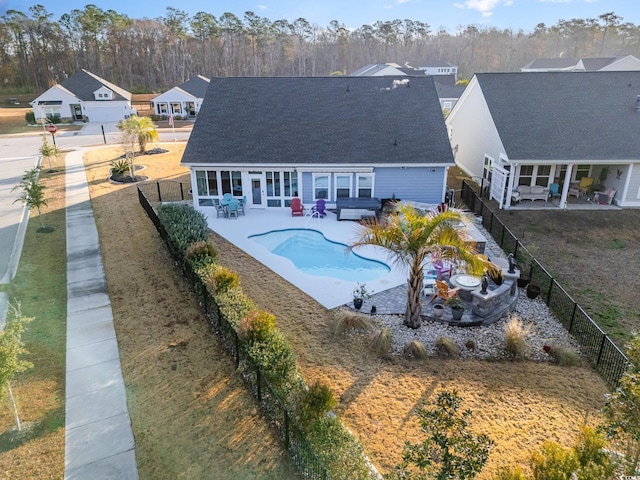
x,y
159,194
237,342
491,222
259,381
286,430
573,316
502,236
604,339
181,192
549,291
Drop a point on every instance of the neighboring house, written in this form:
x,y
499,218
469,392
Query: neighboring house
x,y
550,65
440,68
84,97
603,64
514,129
448,96
608,64
273,139
184,100
386,70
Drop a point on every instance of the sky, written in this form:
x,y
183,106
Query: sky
x,y
447,14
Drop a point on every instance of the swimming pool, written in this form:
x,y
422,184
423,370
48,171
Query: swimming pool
x,y
312,253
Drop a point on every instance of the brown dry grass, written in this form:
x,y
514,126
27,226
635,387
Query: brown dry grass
x,y
197,421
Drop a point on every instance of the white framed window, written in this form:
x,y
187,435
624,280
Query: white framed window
x,y
343,186
176,107
582,171
543,175
526,174
321,185
162,109
364,185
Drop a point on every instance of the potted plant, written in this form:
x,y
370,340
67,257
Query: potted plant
x,y
438,310
457,308
360,294
533,291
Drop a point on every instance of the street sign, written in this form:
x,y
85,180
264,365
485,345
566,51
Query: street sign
x,y
52,128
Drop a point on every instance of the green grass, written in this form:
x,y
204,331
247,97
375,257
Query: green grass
x,y
40,288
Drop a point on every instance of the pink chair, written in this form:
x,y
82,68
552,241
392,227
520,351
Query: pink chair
x,y
604,198
297,209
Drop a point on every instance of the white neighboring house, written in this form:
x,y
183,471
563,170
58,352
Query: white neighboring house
x,y
597,64
84,97
183,100
440,67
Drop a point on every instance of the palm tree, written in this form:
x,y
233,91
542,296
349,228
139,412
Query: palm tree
x,y
142,127
411,238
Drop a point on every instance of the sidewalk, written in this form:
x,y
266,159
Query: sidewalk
x,y
99,442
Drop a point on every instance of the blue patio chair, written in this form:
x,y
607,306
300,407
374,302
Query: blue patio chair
x,y
232,209
554,190
220,212
241,204
226,198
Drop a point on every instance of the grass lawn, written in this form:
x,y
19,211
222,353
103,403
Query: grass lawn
x,y
12,121
38,451
519,404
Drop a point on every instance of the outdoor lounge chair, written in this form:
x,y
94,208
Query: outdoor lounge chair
x,y
220,211
443,291
604,198
554,190
319,208
297,209
232,209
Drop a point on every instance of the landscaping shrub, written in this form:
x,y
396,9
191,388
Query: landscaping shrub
x,y
415,349
515,338
345,321
257,326
201,253
155,117
314,403
564,356
30,117
219,279
447,347
234,305
184,225
338,450
509,473
274,356
382,342
120,166
553,462
590,451
470,344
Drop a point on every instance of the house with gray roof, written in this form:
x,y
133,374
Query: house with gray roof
x,y
183,100
598,64
534,129
84,97
273,139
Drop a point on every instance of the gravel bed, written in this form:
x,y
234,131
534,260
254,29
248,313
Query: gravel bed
x,y
488,341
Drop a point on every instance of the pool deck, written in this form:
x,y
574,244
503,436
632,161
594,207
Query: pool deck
x,y
328,291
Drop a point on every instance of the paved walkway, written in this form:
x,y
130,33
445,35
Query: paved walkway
x,y
99,441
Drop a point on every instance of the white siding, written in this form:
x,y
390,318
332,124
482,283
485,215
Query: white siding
x,y
56,93
472,131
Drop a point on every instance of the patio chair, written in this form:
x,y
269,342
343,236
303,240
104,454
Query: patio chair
x,y
241,204
443,291
319,208
442,271
297,209
232,209
604,198
554,190
220,211
585,183
226,198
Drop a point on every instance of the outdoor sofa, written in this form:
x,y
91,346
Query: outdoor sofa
x,y
532,193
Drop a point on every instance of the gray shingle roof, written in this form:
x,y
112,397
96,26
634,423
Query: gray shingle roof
x,y
595,64
565,116
83,83
327,120
552,63
196,86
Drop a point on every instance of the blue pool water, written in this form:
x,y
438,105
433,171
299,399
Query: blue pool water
x,y
313,254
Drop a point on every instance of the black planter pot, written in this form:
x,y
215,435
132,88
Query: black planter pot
x,y
357,303
523,281
457,312
533,291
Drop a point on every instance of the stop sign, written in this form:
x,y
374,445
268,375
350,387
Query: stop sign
x,y
52,128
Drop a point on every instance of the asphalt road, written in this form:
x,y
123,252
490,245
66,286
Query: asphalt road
x,y
19,153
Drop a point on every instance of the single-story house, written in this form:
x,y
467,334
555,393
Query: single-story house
x,y
84,97
440,68
273,139
387,70
183,100
537,129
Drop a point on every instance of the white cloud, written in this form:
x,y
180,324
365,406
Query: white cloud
x,y
486,7
262,8
399,2
388,7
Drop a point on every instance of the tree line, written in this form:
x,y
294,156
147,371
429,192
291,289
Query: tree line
x,y
152,54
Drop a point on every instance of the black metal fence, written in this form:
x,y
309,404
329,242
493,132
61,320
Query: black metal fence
x,y
166,191
274,409
604,355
